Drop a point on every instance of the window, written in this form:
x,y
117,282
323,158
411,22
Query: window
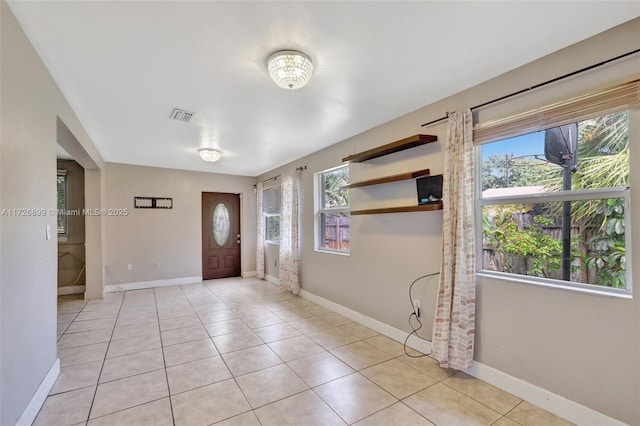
x,y
271,211
62,201
552,204
332,207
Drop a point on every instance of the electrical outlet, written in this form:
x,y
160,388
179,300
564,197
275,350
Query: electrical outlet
x,y
155,265
416,307
129,267
275,263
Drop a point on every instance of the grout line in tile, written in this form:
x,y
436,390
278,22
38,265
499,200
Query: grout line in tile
x,y
164,362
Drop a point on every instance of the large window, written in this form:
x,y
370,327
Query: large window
x,y
271,198
332,207
62,201
553,204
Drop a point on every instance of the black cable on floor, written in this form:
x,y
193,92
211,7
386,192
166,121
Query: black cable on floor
x,y
414,314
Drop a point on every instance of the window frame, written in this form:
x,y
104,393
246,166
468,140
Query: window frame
x,y
266,216
556,196
320,211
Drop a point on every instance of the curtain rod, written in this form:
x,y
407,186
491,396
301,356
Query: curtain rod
x,y
537,86
298,169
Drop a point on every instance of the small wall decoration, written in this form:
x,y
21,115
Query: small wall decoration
x,y
152,202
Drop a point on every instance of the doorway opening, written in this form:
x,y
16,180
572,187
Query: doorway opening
x,y
221,242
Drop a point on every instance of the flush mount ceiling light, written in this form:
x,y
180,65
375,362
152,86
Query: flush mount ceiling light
x,y
290,69
210,155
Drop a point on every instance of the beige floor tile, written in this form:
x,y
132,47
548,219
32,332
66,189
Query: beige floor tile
x,y
335,318
397,378
530,415
331,338
236,341
130,365
226,327
182,335
358,330
318,310
99,324
441,404
396,415
77,376
191,320
156,413
129,392
84,338
295,347
196,374
305,408
136,318
293,314
209,404
190,351
271,384
428,366
484,393
505,421
354,397
261,320
276,332
132,345
216,316
280,306
135,330
82,354
67,408
251,359
310,325
386,344
246,419
96,315
360,355
321,368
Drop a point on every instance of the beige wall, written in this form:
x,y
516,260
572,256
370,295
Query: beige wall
x,y
169,238
71,245
30,106
584,347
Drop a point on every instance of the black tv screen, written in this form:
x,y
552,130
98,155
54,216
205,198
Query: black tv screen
x,y
429,189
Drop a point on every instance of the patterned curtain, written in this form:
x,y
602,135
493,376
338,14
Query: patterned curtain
x,y
289,254
454,325
260,232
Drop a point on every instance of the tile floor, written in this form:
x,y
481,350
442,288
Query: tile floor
x,y
242,352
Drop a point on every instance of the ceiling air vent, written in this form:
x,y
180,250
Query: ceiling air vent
x,y
181,115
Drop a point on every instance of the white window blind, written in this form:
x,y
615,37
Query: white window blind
x,y
271,200
615,98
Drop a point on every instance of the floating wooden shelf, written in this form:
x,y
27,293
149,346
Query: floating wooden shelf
x,y
402,209
388,179
390,148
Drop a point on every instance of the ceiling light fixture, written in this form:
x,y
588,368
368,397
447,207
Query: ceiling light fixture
x,y
290,69
210,155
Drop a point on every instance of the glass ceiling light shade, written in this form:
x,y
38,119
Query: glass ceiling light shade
x,y
290,69
210,155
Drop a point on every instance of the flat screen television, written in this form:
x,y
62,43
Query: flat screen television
x,y
429,189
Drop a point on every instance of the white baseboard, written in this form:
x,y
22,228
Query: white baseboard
x,y
554,403
272,280
414,342
151,284
249,274
71,289
29,414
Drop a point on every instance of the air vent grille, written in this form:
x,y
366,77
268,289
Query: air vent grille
x,y
181,115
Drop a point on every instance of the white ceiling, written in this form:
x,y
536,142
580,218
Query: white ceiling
x,y
124,66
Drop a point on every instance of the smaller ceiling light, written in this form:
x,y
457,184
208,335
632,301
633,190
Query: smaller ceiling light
x,y
290,69
210,155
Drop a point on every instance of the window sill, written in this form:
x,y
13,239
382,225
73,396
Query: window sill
x,y
273,243
329,251
558,285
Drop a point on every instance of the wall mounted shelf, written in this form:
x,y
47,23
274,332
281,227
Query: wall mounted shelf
x,y
389,179
401,209
390,148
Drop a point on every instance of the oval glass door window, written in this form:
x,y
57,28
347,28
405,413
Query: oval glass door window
x,y
221,224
